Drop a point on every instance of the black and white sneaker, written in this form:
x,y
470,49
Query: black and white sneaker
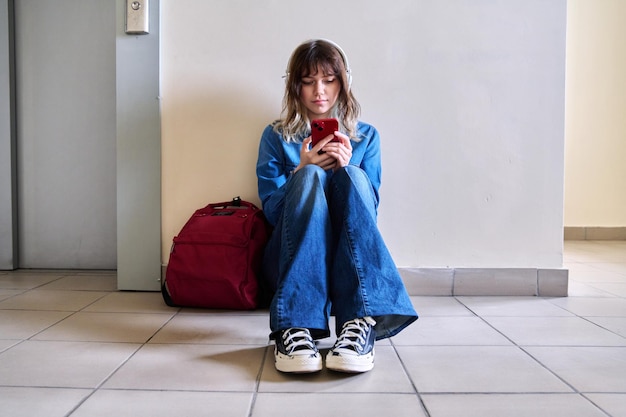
x,y
296,352
354,350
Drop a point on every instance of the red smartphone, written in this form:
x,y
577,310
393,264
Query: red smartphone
x,y
320,128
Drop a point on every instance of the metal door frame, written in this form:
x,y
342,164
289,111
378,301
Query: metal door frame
x,y
8,140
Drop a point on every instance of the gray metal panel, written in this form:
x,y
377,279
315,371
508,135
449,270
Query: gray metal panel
x,y
138,155
8,202
65,61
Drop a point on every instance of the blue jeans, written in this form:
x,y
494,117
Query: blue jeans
x,y
326,256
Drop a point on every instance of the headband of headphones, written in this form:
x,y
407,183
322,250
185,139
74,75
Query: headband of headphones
x,y
344,57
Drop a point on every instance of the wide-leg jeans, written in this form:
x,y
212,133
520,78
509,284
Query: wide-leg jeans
x,y
326,256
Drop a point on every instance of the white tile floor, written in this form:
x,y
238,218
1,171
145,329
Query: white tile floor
x,y
72,345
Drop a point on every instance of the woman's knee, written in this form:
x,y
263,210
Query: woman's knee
x,y
352,175
353,181
310,171
307,178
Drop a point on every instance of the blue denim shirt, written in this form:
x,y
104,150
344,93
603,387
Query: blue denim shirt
x,y
278,158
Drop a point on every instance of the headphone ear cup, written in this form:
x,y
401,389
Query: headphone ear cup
x,y
346,63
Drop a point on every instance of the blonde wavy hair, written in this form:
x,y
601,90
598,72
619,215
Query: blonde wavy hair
x,y
294,124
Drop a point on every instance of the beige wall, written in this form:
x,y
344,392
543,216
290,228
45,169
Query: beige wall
x,y
468,96
595,146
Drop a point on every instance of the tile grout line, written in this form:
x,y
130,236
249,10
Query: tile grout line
x,y
255,393
574,389
124,362
408,375
522,349
104,380
72,313
526,352
594,404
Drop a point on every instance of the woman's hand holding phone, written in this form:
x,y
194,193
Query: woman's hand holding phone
x,y
313,154
331,152
340,149
326,147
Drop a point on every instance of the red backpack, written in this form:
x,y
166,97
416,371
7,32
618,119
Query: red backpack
x,y
215,260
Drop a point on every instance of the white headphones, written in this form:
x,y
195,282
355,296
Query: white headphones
x,y
344,57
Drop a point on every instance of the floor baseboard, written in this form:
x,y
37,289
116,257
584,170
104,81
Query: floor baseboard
x,y
594,233
486,281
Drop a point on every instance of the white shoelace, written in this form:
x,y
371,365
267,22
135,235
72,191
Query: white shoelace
x,y
294,338
353,333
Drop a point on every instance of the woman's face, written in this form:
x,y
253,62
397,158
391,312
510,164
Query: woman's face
x,y
319,93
